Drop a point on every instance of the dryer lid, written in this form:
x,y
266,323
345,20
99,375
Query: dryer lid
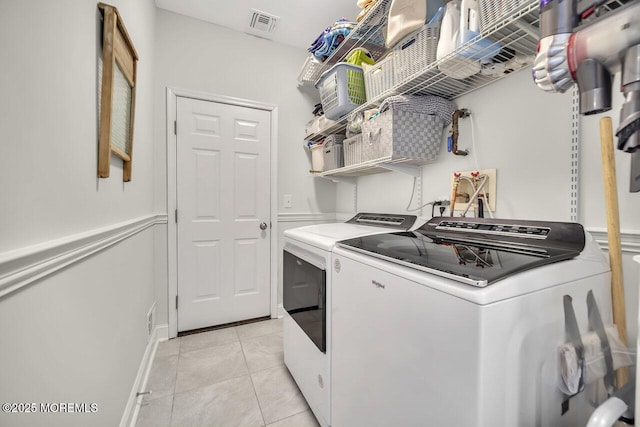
x,y
476,251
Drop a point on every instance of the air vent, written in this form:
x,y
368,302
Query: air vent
x,y
261,23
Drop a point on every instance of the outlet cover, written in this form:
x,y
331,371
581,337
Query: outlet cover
x,y
465,189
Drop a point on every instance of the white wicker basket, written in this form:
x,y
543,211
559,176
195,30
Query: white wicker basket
x,y
492,11
378,78
352,149
413,54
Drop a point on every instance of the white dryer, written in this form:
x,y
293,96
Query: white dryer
x,y
459,323
307,299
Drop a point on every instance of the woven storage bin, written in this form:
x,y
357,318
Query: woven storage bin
x,y
378,78
414,53
352,149
402,134
332,152
341,89
492,11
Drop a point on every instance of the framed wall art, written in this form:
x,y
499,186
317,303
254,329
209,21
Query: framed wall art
x,y
117,93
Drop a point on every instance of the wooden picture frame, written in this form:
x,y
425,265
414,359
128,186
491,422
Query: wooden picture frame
x,y
117,94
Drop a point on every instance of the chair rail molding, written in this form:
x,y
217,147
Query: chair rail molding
x,y
305,216
629,240
23,266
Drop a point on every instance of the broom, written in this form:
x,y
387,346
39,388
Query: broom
x,y
613,234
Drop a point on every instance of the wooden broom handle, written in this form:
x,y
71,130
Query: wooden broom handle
x,y
613,234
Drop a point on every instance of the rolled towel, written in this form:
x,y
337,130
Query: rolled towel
x,y
594,364
366,6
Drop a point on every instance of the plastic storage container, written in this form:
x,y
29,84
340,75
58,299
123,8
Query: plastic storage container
x,y
341,90
317,158
332,152
413,54
378,78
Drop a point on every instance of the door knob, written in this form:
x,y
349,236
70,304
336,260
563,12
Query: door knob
x,y
263,226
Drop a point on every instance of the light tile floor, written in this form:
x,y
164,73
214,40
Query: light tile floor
x,y
228,377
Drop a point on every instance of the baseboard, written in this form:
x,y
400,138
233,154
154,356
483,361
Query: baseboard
x,y
130,415
280,312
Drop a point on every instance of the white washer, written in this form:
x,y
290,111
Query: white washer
x,y
307,299
413,346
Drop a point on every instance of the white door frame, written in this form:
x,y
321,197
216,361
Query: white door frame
x,y
172,229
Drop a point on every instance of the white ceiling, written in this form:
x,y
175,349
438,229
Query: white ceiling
x,y
301,21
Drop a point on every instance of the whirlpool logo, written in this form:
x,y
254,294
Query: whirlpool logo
x,y
377,284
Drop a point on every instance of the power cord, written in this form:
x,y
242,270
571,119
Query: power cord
x,y
433,203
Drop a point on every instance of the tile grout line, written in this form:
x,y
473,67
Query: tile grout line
x,y
297,413
218,382
173,395
241,341
264,423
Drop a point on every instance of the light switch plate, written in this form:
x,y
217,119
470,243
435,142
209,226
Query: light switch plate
x,y
287,200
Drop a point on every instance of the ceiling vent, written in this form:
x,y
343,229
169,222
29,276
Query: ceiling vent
x,y
261,23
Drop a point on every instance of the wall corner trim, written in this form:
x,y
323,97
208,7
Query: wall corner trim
x,y
21,267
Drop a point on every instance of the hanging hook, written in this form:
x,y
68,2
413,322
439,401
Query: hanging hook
x,y
454,132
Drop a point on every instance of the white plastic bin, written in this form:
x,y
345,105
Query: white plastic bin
x,y
317,158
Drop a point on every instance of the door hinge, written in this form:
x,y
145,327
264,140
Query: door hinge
x,y
175,127
176,215
176,302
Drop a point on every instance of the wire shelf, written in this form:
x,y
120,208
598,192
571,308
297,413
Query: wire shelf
x,y
515,35
368,34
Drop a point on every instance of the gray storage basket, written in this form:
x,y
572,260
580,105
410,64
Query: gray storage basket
x,y
332,152
402,134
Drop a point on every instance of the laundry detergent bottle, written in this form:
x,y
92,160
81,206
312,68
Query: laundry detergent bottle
x,y
461,25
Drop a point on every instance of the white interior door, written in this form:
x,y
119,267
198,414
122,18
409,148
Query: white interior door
x,y
223,186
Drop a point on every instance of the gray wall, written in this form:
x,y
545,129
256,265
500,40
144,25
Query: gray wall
x,y
77,335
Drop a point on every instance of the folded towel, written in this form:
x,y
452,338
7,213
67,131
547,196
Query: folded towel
x,y
324,45
366,6
426,104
